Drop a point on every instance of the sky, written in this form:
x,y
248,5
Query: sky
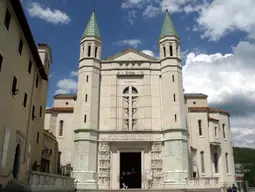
x,y
217,45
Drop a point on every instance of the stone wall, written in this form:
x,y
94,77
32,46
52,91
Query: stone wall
x,y
39,181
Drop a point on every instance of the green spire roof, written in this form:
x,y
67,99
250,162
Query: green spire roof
x,y
168,28
92,29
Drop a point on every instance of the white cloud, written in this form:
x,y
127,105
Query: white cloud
x,y
45,13
149,52
65,86
131,16
74,74
151,11
224,16
131,42
228,80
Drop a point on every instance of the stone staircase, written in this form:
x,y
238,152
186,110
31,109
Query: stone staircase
x,y
14,185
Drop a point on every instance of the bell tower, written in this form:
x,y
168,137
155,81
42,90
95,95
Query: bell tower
x,y
86,112
173,107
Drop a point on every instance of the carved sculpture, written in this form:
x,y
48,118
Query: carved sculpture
x,y
157,163
104,158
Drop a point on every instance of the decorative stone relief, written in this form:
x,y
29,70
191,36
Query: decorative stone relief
x,y
104,159
130,108
157,163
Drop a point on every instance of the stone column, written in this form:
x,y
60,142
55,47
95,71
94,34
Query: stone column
x,y
104,162
157,165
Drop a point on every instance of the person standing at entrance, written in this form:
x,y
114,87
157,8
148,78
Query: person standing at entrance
x,y
123,184
234,189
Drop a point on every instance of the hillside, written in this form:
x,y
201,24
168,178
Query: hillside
x,y
244,155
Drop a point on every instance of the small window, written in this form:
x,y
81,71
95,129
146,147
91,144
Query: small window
x,y
223,130
96,52
175,118
86,97
40,111
61,128
89,50
174,98
37,81
33,112
171,51
7,19
14,85
85,118
173,78
37,138
200,127
29,66
25,100
20,47
202,162
1,62
87,78
164,49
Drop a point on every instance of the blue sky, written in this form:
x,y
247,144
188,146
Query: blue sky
x,y
217,44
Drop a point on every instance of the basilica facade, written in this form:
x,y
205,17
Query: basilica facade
x,y
131,123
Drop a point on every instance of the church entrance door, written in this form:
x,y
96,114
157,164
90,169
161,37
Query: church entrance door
x,y
130,170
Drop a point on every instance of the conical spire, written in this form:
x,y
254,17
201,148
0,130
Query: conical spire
x,y
168,28
92,29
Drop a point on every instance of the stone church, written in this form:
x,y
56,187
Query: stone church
x,y
131,124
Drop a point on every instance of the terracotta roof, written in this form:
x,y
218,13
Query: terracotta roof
x,y
65,96
195,95
59,109
19,12
207,109
212,119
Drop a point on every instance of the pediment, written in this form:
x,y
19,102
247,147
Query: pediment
x,y
131,55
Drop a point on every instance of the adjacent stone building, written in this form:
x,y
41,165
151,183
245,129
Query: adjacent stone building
x,y
132,123
24,72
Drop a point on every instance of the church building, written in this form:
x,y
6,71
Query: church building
x,y
131,122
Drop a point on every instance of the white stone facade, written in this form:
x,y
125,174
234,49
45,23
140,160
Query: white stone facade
x,y
132,102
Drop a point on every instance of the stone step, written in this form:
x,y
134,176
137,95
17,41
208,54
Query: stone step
x,y
152,190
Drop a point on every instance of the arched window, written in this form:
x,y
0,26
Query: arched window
x,y
226,159
200,127
96,52
130,107
223,130
89,50
215,160
61,127
202,162
171,50
215,132
126,90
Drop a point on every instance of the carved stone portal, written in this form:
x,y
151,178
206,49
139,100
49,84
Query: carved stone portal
x,y
157,163
104,159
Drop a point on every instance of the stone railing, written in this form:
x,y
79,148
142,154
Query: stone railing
x,y
46,181
207,182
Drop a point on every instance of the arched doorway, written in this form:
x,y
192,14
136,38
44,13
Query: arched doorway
x,y
16,162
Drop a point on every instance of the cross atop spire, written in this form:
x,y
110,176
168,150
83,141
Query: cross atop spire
x,y
166,7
